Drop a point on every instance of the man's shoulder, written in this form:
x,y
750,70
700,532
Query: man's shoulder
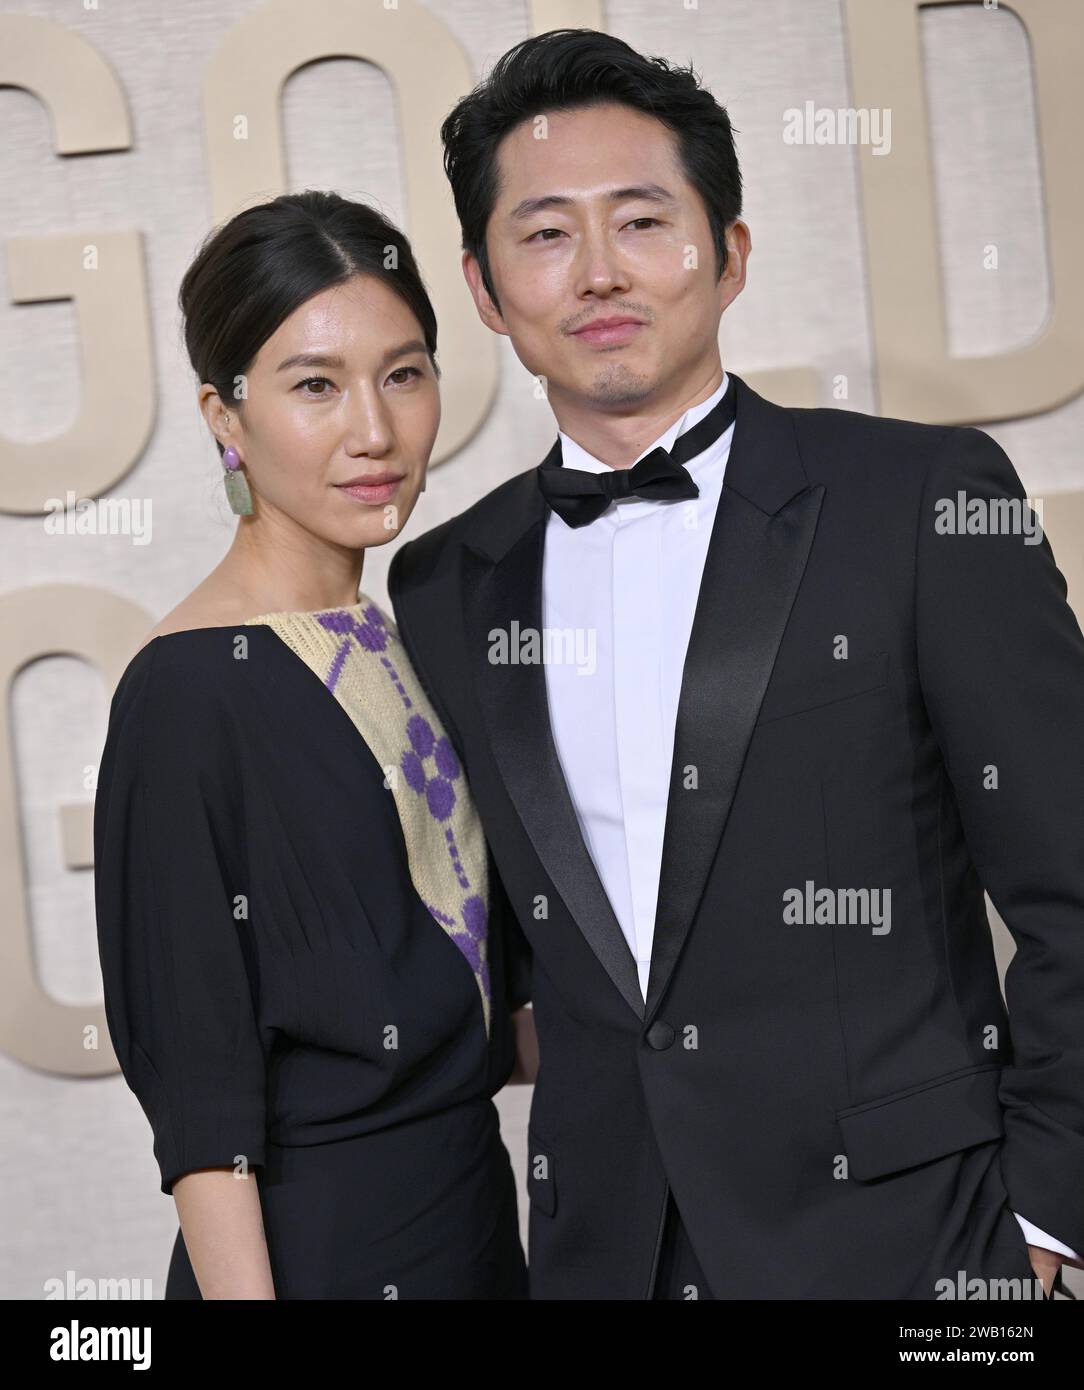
x,y
828,423
839,445
419,558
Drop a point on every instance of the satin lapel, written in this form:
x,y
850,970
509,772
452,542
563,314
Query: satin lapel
x,y
502,594
760,541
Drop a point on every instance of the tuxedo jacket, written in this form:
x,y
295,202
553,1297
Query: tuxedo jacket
x,y
870,701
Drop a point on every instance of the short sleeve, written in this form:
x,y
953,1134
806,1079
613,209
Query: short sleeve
x,y
178,969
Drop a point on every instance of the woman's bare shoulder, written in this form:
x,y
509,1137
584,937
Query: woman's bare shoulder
x,y
202,608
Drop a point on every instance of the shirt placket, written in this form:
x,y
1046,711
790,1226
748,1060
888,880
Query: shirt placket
x,y
637,646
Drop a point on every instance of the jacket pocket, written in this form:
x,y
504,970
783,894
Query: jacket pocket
x,y
541,1176
923,1122
838,681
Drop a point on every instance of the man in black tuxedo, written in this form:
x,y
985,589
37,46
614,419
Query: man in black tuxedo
x,y
754,703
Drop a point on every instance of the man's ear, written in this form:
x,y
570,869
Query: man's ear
x,y
739,244
487,310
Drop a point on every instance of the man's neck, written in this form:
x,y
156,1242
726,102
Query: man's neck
x,y
618,435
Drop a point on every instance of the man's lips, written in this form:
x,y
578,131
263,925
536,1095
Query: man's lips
x,y
372,487
609,332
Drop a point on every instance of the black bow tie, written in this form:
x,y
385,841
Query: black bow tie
x,y
578,497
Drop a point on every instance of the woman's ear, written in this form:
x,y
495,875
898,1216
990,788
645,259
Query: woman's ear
x,y
215,413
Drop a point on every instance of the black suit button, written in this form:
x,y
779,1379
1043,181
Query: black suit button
x,y
660,1035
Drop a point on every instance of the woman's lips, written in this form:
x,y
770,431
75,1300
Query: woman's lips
x,y
370,492
609,335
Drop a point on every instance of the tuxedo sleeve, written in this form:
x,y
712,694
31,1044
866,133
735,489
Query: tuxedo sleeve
x,y
1001,664
517,951
400,562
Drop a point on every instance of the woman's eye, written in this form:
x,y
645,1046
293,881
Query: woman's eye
x,y
412,371
312,380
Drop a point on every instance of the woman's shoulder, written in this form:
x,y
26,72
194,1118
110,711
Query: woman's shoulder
x,y
189,672
205,609
188,654
179,715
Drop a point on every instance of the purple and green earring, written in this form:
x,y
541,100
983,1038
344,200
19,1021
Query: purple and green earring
x,y
237,489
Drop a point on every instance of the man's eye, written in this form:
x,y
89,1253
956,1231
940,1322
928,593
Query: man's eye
x,y
310,380
543,232
653,220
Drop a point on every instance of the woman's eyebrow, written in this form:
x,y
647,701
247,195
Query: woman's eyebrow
x,y
311,359
332,359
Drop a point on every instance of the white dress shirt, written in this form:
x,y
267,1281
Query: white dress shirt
x,y
631,578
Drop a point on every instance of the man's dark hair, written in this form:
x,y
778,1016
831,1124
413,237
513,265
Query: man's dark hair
x,y
568,69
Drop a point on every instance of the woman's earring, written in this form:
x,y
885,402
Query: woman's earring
x,y
237,489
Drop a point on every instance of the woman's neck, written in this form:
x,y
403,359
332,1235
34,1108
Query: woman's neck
x,y
280,568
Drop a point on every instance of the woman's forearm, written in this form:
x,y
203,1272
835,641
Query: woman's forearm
x,y
222,1224
526,1068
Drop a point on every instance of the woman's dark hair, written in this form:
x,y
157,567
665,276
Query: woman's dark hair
x,y
567,69
252,273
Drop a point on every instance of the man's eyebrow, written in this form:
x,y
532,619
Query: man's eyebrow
x,y
332,359
647,192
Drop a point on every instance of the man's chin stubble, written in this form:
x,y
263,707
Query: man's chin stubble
x,y
617,385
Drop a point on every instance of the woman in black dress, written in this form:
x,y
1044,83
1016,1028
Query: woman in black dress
x,y
309,967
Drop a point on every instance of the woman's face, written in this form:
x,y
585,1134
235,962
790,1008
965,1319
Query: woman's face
x,y
340,410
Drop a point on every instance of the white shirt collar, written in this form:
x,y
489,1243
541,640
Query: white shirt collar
x,y
574,456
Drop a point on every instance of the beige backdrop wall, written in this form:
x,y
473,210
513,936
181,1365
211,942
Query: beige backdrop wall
x,y
931,281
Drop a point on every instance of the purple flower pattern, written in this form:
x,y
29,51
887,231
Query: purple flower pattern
x,y
430,769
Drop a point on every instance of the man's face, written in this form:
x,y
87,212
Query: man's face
x,y
595,220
